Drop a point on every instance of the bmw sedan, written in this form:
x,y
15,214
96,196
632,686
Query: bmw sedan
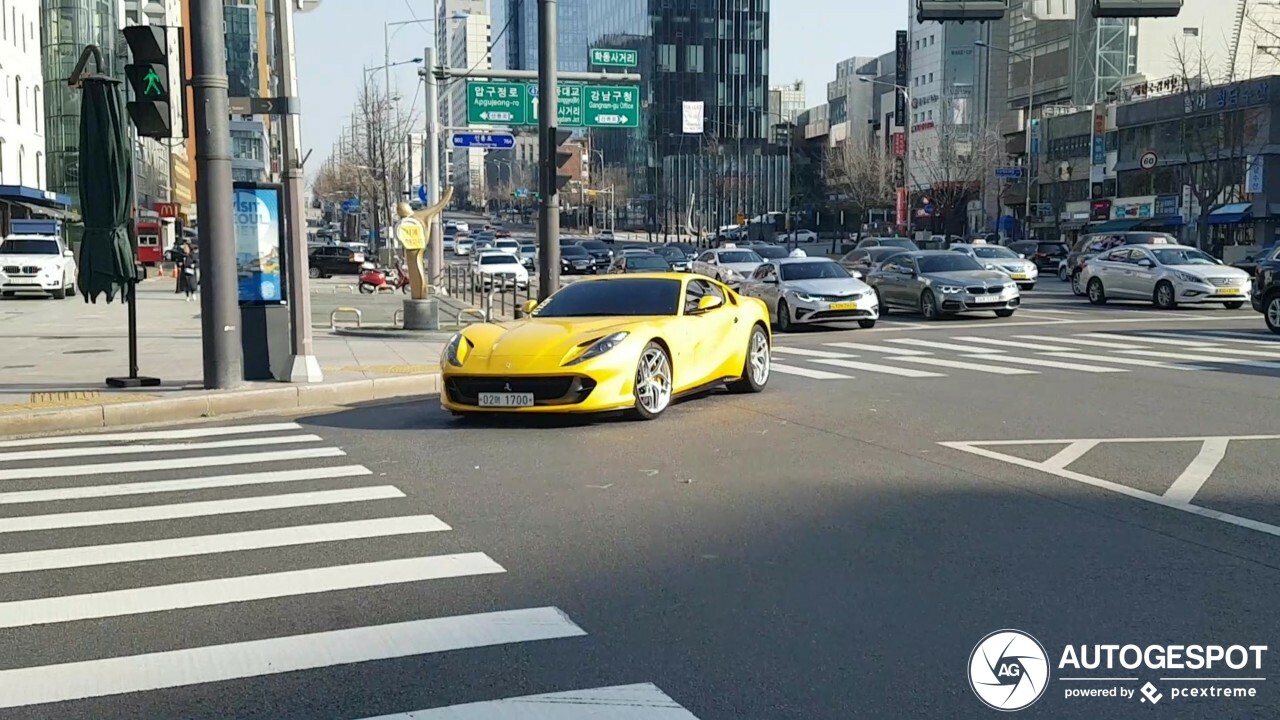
x,y
1166,275
812,290
935,283
1002,259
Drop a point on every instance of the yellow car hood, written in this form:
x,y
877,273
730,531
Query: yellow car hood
x,y
550,339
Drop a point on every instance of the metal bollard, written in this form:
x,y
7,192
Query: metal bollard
x,y
467,311
349,288
333,316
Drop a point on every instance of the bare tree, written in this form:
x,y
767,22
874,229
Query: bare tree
x,y
951,169
859,176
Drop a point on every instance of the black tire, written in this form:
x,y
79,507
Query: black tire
x,y
884,307
866,324
7,294
313,273
929,305
1271,312
59,294
1097,293
366,288
71,289
1164,296
784,318
1007,312
1075,285
1234,305
747,382
639,412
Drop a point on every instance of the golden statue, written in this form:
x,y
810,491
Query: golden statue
x,y
413,231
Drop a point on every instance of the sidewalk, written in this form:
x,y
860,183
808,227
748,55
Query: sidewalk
x,y
57,355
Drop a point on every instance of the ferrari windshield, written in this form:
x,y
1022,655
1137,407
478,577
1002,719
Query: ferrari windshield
x,y
623,297
946,262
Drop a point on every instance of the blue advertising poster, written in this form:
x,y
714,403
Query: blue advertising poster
x,y
258,238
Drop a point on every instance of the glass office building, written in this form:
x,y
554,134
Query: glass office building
x,y
515,34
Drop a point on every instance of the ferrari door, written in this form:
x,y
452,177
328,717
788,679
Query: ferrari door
x,y
708,335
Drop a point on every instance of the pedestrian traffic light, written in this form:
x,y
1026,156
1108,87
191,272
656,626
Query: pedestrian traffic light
x,y
563,157
148,74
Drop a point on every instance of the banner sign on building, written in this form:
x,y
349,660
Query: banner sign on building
x,y
693,117
1098,164
1253,175
900,144
259,236
901,79
902,207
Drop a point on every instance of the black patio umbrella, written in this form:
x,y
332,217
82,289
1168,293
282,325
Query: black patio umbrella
x,y
107,256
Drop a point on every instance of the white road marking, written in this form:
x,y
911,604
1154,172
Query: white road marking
x,y
1059,441
190,433
165,486
945,346
226,591
1204,358
1032,307
1011,343
808,352
886,369
1242,337
880,349
182,463
155,513
154,449
179,668
1039,362
624,702
1152,340
1184,489
809,373
1077,341
1070,454
86,556
1150,364
990,369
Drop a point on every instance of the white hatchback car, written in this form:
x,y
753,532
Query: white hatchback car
x,y
1166,275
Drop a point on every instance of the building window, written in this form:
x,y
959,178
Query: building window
x,y
40,170
696,57
22,160
39,109
666,58
17,98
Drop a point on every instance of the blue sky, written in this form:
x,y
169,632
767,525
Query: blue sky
x,y
340,37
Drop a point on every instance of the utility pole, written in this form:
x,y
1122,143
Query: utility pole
x,y
303,365
219,285
548,110
435,243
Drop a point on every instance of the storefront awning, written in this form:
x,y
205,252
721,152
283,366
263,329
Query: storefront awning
x,y
44,210
1116,226
1231,214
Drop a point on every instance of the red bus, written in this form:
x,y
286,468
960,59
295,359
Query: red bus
x,y
150,242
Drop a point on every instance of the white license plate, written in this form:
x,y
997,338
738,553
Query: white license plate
x,y
986,298
506,400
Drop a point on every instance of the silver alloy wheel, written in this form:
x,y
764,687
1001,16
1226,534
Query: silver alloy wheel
x,y
1164,295
1273,312
653,381
760,359
1095,291
1075,284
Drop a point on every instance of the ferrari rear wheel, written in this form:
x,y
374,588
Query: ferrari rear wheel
x,y
758,364
653,382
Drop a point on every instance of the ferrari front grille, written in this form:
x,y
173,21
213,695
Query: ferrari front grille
x,y
547,390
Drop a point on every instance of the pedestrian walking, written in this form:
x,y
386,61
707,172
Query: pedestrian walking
x,y
187,266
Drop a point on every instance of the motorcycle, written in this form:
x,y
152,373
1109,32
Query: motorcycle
x,y
373,280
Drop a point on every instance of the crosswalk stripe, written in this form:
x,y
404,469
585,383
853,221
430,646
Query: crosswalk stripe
x,y
155,449
875,368
1204,358
990,369
1242,337
1011,343
165,486
155,513
1152,340
1040,362
809,373
1031,307
879,348
1152,364
190,433
181,463
226,591
1078,341
624,702
808,352
256,658
86,556
945,346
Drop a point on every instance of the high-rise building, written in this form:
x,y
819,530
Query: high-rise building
x,y
515,33
66,27
786,102
248,46
465,46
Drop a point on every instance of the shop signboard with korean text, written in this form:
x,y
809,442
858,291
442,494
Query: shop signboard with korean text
x,y
259,237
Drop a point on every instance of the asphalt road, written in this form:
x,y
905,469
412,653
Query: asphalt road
x,y
834,547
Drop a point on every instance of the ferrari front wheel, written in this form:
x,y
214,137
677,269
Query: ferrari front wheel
x,y
758,364
653,382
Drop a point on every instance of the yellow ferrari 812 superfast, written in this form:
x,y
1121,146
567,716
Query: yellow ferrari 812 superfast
x,y
628,342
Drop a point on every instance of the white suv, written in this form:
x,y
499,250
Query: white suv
x,y
494,268
36,263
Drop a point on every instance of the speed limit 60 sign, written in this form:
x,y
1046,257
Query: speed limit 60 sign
x,y
1148,160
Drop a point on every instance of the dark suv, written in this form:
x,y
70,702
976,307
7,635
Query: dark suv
x,y
1046,255
1265,296
1094,243
331,260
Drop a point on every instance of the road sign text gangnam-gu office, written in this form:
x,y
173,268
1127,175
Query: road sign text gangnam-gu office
x,y
580,105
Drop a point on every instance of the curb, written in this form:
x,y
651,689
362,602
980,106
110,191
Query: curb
x,y
391,331
216,403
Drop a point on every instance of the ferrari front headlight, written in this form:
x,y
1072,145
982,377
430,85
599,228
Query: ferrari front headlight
x,y
600,347
453,350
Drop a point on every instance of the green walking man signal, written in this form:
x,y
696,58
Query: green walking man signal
x,y
154,85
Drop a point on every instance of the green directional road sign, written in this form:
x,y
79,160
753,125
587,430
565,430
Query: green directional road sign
x,y
568,108
609,57
611,106
498,103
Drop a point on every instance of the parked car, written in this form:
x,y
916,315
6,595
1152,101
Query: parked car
x,y
37,263
769,252
1165,275
334,260
1095,243
935,283
802,291
500,233
1045,254
900,243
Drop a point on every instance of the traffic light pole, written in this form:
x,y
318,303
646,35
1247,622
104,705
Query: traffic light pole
x,y
303,365
435,246
219,285
548,99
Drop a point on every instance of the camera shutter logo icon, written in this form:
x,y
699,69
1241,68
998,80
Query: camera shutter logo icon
x,y
1008,670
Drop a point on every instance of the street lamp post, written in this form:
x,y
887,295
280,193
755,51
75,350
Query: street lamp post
x,y
906,139
1031,101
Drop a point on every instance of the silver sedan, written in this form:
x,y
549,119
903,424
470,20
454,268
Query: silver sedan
x,y
1002,259
1166,275
940,282
812,290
